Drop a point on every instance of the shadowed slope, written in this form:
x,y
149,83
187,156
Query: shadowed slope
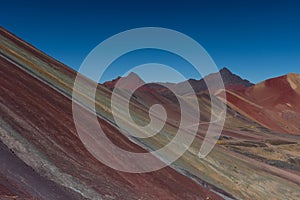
x,y
230,81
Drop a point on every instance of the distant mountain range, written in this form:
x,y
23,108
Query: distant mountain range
x,y
230,80
273,103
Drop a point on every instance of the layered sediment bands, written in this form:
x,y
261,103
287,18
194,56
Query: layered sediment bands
x,y
36,122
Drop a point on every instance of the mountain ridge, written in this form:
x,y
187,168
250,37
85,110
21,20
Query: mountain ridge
x,y
278,96
230,80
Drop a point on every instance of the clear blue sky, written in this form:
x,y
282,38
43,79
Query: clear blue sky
x,y
255,39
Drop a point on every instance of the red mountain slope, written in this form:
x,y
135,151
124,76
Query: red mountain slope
x,y
37,124
273,103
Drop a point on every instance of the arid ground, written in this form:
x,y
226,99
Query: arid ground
x,y
42,157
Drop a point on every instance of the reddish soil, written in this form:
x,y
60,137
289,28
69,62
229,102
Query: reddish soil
x,y
273,103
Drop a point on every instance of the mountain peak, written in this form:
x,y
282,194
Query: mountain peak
x,y
132,75
128,82
294,81
225,70
293,76
285,83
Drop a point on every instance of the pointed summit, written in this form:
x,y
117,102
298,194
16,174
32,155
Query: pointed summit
x,y
128,82
132,74
233,81
133,77
225,70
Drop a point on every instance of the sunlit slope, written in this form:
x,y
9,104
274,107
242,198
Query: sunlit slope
x,y
273,103
37,124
